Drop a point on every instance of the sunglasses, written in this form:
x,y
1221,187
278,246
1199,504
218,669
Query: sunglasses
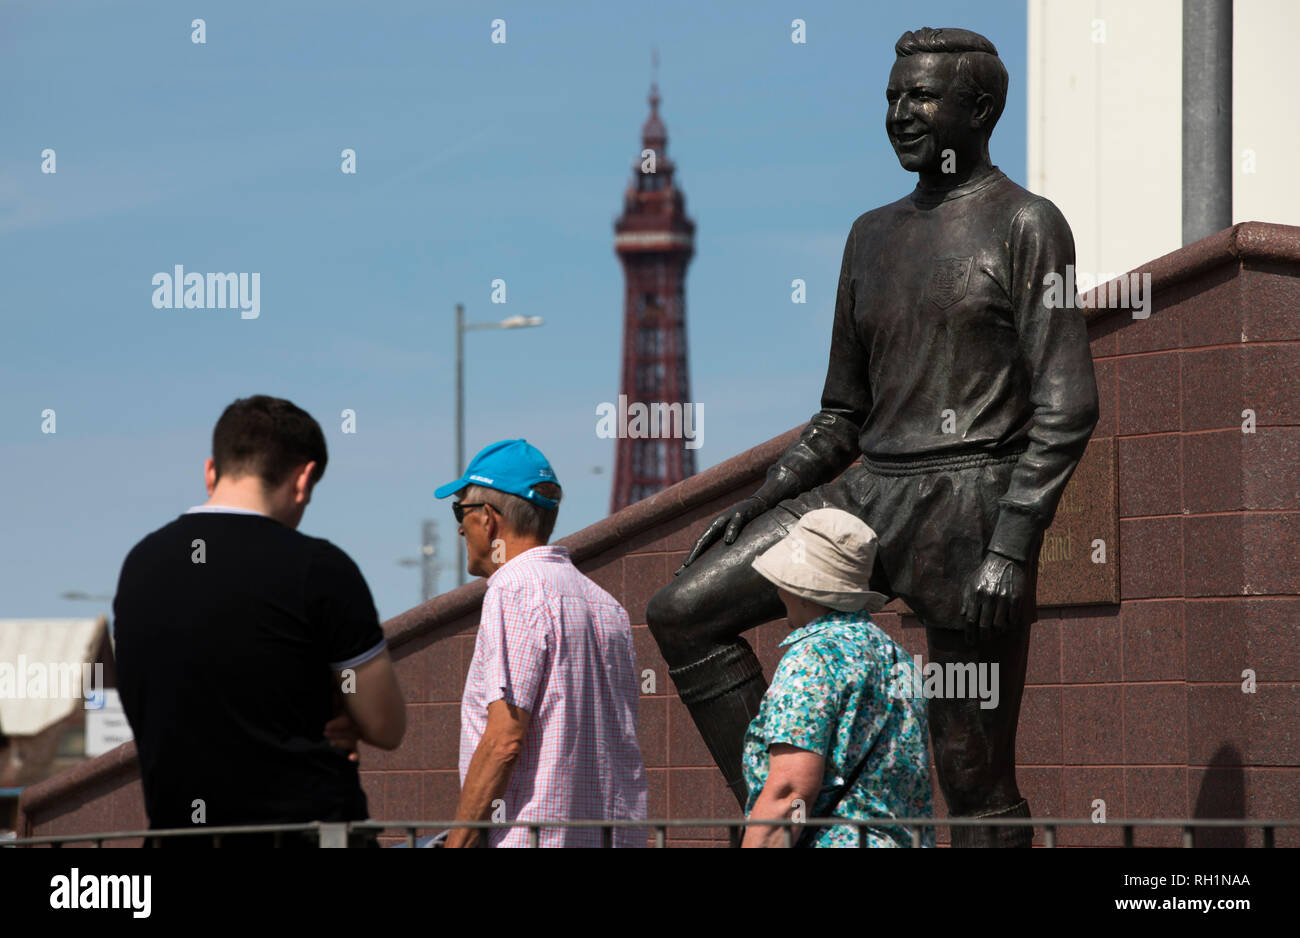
x,y
460,508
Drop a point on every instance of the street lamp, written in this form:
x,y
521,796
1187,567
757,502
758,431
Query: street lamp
x,y
512,322
427,561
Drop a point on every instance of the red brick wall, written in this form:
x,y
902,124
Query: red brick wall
x,y
1148,697
1138,704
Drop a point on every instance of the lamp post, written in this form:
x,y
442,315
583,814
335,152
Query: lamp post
x,y
512,322
427,561
1207,118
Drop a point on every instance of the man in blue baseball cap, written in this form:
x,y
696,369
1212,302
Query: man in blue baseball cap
x,y
548,717
512,466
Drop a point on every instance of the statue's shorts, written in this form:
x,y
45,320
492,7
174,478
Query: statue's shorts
x,y
933,517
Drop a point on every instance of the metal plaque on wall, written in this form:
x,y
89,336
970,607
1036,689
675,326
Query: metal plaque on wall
x,y
1079,561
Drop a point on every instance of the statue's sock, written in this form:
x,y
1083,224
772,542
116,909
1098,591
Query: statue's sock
x,y
1019,836
722,691
1000,836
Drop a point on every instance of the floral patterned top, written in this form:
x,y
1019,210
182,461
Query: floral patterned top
x,y
832,693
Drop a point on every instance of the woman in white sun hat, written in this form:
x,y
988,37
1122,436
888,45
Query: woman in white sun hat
x,y
838,733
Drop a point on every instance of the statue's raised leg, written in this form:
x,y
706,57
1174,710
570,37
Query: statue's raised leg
x,y
697,620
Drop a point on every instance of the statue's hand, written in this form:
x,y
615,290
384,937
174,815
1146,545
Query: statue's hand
x,y
726,526
993,597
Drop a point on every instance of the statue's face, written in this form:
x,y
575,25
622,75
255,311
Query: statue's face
x,y
924,116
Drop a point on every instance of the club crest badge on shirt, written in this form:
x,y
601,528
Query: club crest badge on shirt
x,y
948,279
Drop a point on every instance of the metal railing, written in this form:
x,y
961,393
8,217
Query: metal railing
x,y
338,834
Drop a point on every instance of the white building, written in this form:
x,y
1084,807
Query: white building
x,y
1105,121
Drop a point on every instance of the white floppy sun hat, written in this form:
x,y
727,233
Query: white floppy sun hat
x,y
826,557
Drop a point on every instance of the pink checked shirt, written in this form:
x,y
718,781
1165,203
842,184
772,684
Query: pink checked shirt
x,y
554,643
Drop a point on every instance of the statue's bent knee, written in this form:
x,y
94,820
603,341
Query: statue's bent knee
x,y
659,613
666,615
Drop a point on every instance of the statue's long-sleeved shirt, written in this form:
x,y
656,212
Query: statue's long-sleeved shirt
x,y
945,342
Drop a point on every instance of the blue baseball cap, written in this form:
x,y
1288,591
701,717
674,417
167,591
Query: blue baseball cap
x,y
512,466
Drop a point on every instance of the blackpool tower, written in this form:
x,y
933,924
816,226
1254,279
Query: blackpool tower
x,y
654,241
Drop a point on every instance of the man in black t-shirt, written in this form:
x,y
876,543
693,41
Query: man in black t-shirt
x,y
250,658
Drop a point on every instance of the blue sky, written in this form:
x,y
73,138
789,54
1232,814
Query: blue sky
x,y
475,161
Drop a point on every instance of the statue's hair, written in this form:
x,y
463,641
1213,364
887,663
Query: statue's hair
x,y
979,70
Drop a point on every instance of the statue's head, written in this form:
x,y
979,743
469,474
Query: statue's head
x,y
946,92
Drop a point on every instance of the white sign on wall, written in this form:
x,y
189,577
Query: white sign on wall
x,y
106,726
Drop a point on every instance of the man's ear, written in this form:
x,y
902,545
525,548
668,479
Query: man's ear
x,y
302,484
210,474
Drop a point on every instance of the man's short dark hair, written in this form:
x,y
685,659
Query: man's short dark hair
x,y
979,70
267,437
522,516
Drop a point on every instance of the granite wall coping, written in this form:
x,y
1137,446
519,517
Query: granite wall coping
x,y
1246,241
